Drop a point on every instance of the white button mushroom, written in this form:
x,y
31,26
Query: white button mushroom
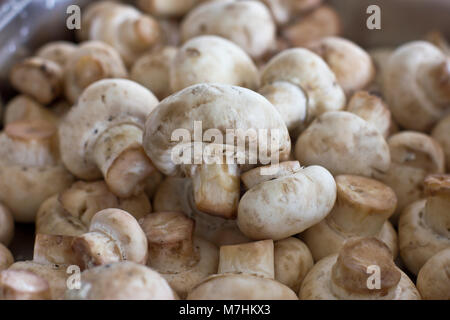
x,y
121,281
441,133
102,135
122,26
433,281
424,226
416,85
23,285
6,257
345,276
362,209
6,225
182,259
114,235
91,62
57,51
279,208
313,94
293,260
220,108
343,143
53,249
152,70
246,272
246,23
23,107
30,167
414,155
212,59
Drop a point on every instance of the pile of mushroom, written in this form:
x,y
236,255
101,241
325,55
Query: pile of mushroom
x,y
226,150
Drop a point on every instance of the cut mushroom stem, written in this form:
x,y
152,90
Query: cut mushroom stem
x,y
254,258
349,275
23,285
33,142
170,241
140,33
437,207
217,189
363,205
119,155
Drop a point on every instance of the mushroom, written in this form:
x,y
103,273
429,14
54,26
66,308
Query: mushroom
x,y
219,109
152,70
433,281
40,78
290,81
53,249
167,8
30,167
247,23
91,62
114,235
414,155
124,280
321,22
293,260
372,109
23,285
246,272
441,133
343,143
23,107
6,257
363,270
424,226
57,51
121,26
170,32
300,200
417,85
344,57
102,134
438,39
6,225
380,57
198,57
176,194
56,275
285,11
362,209
183,259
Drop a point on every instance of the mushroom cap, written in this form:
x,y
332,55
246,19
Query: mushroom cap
x,y
57,51
441,134
343,143
23,285
417,241
212,59
293,260
152,70
6,257
410,103
257,175
280,208
102,105
301,67
56,275
433,281
6,225
218,107
123,228
344,57
246,23
53,249
23,107
121,281
284,11
348,273
240,287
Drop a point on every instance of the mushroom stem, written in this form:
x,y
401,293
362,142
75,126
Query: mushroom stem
x,y
119,155
435,79
32,142
139,33
254,258
88,69
170,241
217,189
437,207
